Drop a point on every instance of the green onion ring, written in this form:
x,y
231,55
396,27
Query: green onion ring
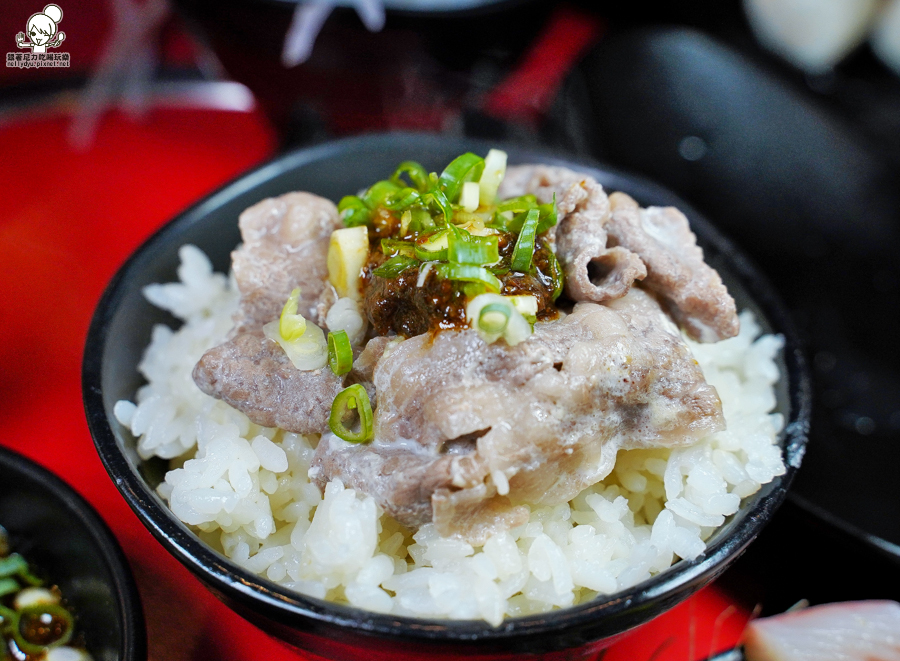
x,y
36,611
395,266
494,317
379,192
417,175
353,398
8,586
467,167
524,250
467,249
469,273
354,211
402,199
340,353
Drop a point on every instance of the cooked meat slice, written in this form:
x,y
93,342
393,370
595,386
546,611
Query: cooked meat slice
x,y
466,431
692,290
254,375
285,246
594,270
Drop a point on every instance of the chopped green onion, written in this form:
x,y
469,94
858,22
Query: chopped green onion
x,y
340,353
524,250
419,221
38,613
348,252
557,274
434,246
12,564
402,199
417,175
469,273
468,199
393,247
291,325
436,198
354,398
395,266
379,192
548,216
354,211
494,317
518,204
467,167
8,586
494,171
464,248
526,305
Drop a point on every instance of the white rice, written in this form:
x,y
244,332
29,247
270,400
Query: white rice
x,y
246,491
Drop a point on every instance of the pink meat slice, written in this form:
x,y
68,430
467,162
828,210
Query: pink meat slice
x,y
595,271
849,631
692,290
606,244
465,432
285,245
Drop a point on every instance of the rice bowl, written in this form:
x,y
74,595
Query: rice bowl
x,y
538,544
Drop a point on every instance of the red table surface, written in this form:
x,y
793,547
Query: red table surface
x,y
68,219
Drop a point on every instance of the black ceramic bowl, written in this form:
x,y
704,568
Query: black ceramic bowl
x,y
121,329
60,533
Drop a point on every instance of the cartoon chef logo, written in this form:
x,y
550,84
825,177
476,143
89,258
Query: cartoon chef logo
x,y
42,31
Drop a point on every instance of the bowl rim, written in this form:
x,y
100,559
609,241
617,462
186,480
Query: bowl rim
x,y
126,594
233,581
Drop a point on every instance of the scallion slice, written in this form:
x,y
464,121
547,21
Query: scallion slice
x,y
494,171
434,246
557,274
354,211
417,175
393,247
464,248
494,317
355,398
467,167
395,266
291,325
524,250
39,618
469,273
8,586
340,353
379,192
402,199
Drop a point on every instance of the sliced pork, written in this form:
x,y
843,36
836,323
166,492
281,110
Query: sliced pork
x,y
594,270
285,245
467,431
606,244
693,290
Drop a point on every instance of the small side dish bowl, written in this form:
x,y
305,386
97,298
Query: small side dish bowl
x,y
59,533
121,330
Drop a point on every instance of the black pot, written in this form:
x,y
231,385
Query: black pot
x,y
121,328
57,531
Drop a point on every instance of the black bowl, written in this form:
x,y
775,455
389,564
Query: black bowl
x,y
60,533
121,329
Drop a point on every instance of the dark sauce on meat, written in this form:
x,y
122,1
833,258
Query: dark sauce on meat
x,y
398,304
